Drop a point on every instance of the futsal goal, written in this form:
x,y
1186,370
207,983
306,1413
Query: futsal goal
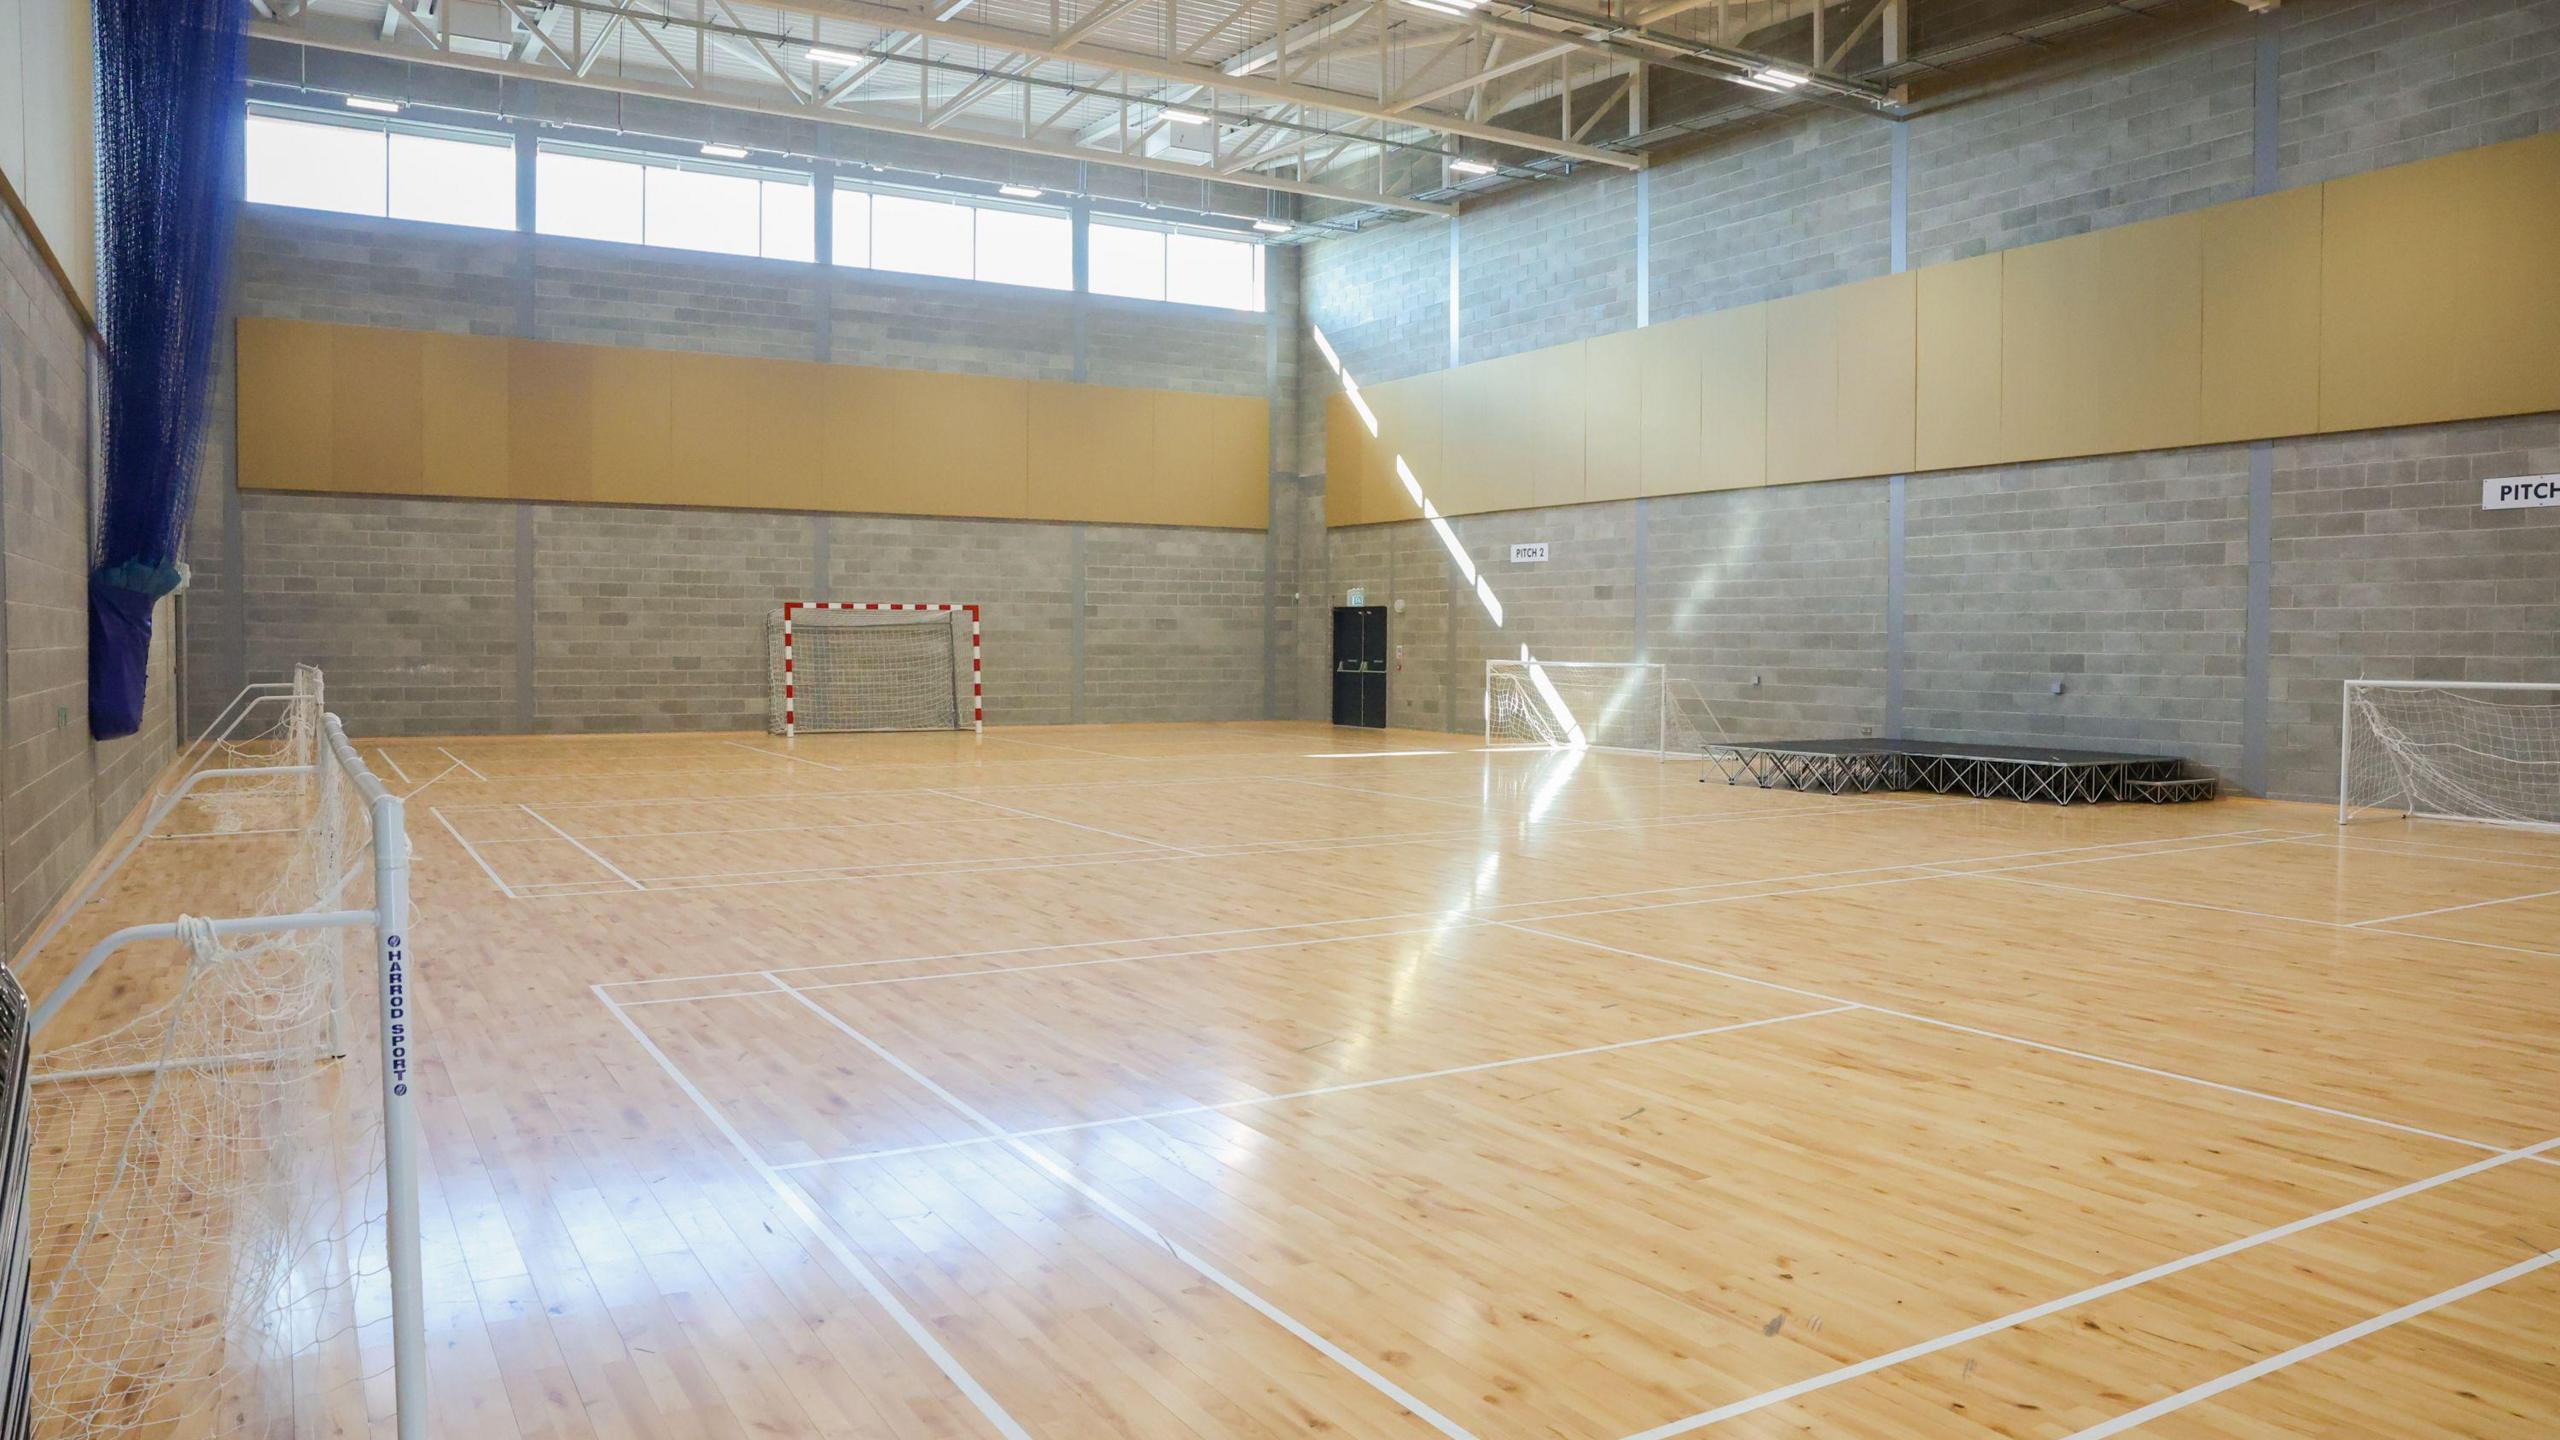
x,y
224,1222
2451,750
839,665
1577,705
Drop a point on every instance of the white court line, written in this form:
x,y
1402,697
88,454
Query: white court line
x,y
1440,918
896,869
2299,1353
465,764
1829,1378
1161,852
1129,1220
473,851
1179,1111
2264,915
808,1214
781,755
385,752
1075,825
1529,927
2377,845
2450,909
582,847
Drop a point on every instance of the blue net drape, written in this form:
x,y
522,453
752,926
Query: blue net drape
x,y
169,109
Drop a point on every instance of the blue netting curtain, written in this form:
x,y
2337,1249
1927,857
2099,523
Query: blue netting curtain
x,y
170,96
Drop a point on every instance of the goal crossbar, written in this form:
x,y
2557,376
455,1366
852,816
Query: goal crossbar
x,y
790,678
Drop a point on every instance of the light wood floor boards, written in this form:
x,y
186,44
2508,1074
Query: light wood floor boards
x,y
1264,1080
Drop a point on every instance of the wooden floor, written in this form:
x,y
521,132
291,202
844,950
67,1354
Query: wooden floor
x,y
1261,1080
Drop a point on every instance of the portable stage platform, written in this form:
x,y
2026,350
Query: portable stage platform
x,y
2013,772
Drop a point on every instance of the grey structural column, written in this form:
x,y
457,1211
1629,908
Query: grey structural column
x,y
822,335
2255,645
1274,493
1644,316
1896,487
528,146
1080,265
1075,624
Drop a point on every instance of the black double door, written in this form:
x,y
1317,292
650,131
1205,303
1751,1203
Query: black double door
x,y
1360,665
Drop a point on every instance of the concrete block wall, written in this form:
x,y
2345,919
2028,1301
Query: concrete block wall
x,y
62,795
2386,567
475,617
2123,580
2128,578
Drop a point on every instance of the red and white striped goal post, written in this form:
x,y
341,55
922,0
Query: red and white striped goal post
x,y
977,665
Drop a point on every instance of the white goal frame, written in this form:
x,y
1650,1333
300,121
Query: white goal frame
x,y
2347,741
977,659
1661,747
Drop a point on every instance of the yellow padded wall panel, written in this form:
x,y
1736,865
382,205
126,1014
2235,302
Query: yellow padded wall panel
x,y
1958,381
1613,416
1732,400
2439,284
377,409
2261,336
464,450
1095,460
745,433
283,434
1471,442
1559,412
1841,381
1670,360
2102,341
961,435
1346,460
1203,446
1409,421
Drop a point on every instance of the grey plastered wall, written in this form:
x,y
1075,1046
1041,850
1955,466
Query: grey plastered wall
x,y
2127,578
469,616
61,794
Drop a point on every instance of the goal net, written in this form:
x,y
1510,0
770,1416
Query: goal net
x,y
224,1220
839,665
1576,704
2451,751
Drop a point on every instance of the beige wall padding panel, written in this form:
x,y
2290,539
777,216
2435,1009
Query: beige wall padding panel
x,y
1732,402
400,412
1409,421
1958,380
1613,417
2440,284
1096,457
1840,381
2102,342
48,147
1346,461
2261,366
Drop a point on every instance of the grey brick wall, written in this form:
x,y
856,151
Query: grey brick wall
x,y
2386,567
2385,82
61,794
407,606
2124,577
2125,580
653,619
1772,603
1547,264
2156,122
1777,210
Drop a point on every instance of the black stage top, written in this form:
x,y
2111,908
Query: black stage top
x,y
1947,750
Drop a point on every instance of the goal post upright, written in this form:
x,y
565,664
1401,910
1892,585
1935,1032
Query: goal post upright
x,y
954,608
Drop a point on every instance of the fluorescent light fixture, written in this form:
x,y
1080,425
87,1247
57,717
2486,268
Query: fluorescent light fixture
x,y
1773,78
835,57
1181,117
1021,192
378,107
718,151
1445,7
1273,227
1470,167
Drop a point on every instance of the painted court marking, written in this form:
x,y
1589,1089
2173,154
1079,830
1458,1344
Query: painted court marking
x,y
870,1281
2311,1349
582,848
1138,1226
